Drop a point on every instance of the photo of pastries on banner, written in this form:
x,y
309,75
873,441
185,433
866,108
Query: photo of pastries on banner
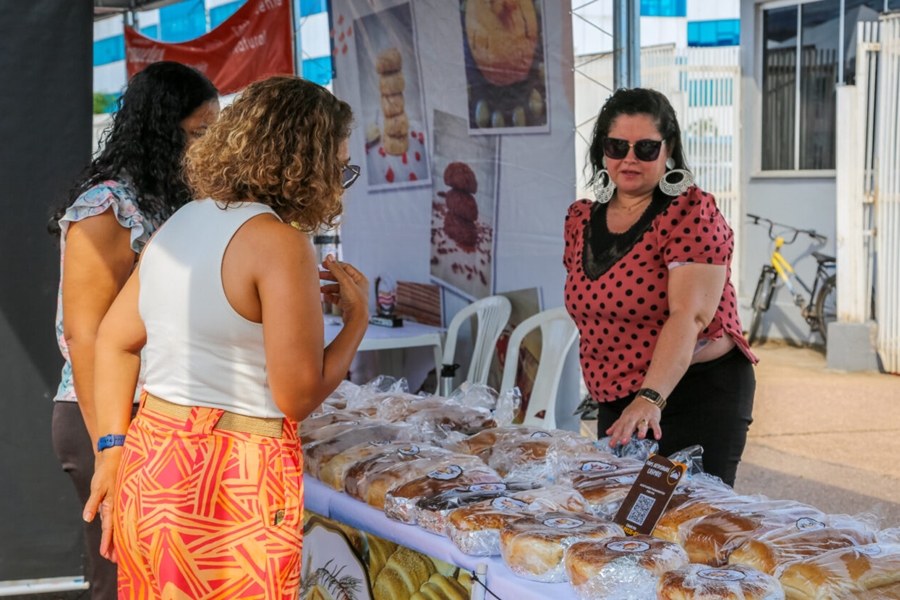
x,y
549,505
463,208
505,70
392,115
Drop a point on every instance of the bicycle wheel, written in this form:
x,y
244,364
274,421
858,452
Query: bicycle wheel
x,y
761,299
826,306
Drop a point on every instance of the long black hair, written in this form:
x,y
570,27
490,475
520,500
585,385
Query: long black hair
x,y
637,101
146,142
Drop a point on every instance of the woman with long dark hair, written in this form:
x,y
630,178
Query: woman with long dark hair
x,y
119,200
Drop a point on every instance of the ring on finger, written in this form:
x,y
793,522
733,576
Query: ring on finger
x,y
643,422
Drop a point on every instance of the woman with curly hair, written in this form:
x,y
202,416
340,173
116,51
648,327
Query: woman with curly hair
x,y
225,303
113,208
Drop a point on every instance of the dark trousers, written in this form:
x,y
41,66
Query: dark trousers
x,y
73,449
711,406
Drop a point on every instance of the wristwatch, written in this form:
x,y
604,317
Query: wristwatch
x,y
653,397
108,441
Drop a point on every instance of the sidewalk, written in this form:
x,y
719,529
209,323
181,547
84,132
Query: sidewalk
x,y
827,438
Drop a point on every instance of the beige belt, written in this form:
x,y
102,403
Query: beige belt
x,y
229,421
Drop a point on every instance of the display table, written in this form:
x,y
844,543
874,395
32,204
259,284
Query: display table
x,y
321,499
411,335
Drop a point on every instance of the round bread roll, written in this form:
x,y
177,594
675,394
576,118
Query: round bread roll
x,y
502,37
459,176
534,547
388,61
701,582
393,105
395,146
396,126
585,560
393,83
807,539
462,204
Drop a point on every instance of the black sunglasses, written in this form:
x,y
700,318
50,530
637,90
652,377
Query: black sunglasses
x,y
349,175
644,150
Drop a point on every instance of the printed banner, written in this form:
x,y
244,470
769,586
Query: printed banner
x,y
344,563
252,44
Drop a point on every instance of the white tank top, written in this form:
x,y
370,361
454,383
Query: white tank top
x,y
200,351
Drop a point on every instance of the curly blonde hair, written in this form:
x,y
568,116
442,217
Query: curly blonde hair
x,y
277,144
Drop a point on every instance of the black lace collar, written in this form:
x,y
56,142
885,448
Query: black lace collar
x,y
603,248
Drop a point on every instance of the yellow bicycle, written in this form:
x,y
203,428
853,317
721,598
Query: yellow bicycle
x,y
820,308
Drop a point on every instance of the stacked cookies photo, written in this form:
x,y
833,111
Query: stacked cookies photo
x,y
389,66
462,209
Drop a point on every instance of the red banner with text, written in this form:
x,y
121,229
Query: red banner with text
x,y
253,43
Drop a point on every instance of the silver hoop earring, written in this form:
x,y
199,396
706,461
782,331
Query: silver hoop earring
x,y
676,188
604,191
670,163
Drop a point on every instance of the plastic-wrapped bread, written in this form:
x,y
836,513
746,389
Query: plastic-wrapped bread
x,y
432,511
316,454
534,547
886,592
482,444
621,566
679,514
542,457
711,539
452,417
329,431
377,485
311,427
400,502
475,529
842,573
358,475
332,472
804,539
701,582
605,484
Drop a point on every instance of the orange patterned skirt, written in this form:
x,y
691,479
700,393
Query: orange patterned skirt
x,y
208,513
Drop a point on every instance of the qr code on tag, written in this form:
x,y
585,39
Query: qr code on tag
x,y
641,509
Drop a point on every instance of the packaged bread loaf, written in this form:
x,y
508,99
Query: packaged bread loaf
x,y
311,428
702,582
540,456
605,483
378,484
806,538
432,511
452,417
679,514
482,444
358,475
534,547
711,539
475,529
332,472
400,502
621,567
316,454
328,431
843,573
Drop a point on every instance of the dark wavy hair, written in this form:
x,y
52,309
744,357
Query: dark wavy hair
x,y
637,101
277,143
146,141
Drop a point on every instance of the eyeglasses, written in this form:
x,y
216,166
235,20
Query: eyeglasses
x,y
349,175
644,150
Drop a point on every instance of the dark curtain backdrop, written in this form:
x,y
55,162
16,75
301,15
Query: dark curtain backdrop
x,y
45,139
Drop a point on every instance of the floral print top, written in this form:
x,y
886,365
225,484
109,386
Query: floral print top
x,y
116,195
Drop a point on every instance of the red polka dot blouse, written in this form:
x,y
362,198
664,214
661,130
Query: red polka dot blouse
x,y
617,283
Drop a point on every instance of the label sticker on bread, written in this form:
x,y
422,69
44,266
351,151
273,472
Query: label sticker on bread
x,y
597,466
807,524
504,503
540,434
563,523
721,575
446,473
487,487
630,547
380,443
649,495
409,451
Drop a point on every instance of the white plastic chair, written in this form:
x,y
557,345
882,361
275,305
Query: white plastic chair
x,y
493,315
558,333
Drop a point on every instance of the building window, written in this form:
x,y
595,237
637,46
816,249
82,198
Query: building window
x,y
726,32
663,8
218,14
183,21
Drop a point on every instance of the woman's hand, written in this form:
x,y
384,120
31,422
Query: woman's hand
x,y
102,500
640,415
350,290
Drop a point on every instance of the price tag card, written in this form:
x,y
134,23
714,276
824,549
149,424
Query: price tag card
x,y
649,495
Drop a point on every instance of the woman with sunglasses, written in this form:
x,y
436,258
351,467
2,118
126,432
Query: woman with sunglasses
x,y
649,286
226,304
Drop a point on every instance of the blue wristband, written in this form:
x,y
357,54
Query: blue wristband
x,y
108,441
